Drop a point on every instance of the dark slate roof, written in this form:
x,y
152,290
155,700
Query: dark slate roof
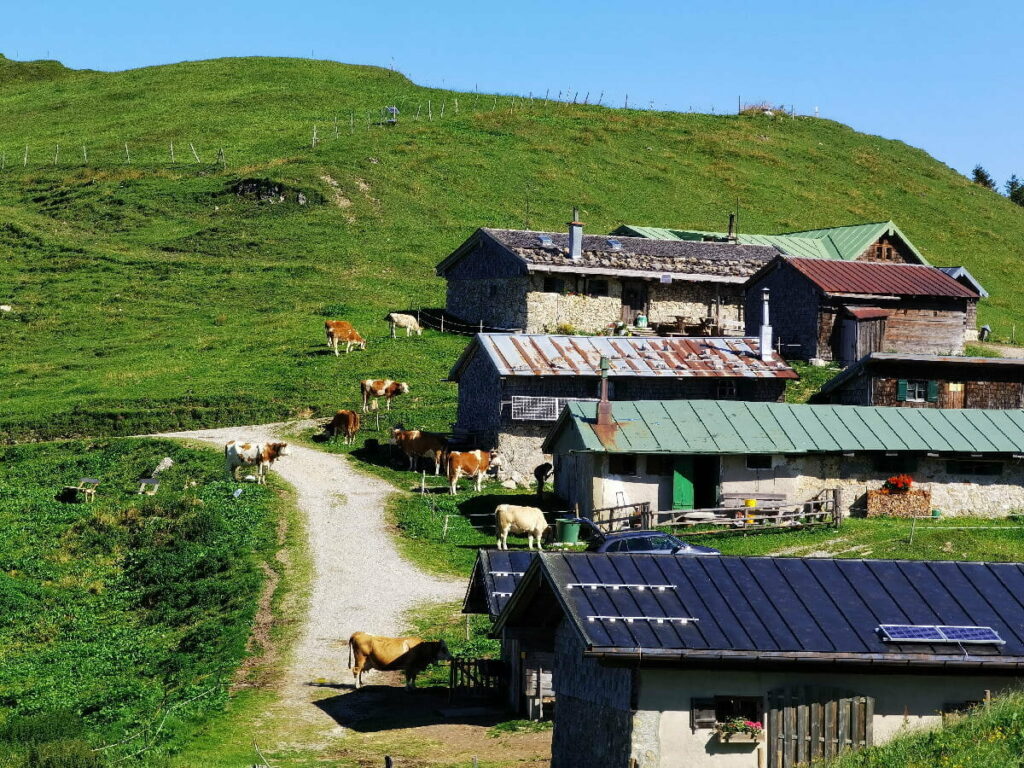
x,y
768,609
726,261
865,277
495,576
954,367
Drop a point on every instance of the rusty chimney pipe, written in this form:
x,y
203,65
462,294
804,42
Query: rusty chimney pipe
x,y
604,406
766,328
732,228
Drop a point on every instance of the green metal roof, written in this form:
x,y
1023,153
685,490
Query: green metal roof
x,y
735,427
845,243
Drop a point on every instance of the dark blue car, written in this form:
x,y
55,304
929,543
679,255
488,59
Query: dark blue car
x,y
641,542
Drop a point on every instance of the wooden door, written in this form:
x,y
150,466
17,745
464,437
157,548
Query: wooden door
x,y
682,483
847,352
634,300
808,724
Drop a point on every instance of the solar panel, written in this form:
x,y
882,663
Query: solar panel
x,y
939,633
545,241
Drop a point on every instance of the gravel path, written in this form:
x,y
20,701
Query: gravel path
x,y
360,581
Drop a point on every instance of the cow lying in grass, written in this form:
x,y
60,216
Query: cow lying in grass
x,y
410,654
259,455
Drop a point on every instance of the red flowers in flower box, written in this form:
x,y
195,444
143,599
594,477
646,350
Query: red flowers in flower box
x,y
897,484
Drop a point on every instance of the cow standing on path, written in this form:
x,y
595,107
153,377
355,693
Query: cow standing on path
x,y
409,654
259,455
386,388
472,464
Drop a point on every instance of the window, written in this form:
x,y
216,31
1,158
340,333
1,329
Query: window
x,y
704,713
659,464
622,464
974,467
554,285
615,546
917,391
894,465
759,461
726,390
597,287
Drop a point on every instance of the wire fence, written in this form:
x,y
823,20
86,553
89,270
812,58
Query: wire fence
x,y
439,320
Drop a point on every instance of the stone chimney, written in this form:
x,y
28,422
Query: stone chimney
x,y
576,236
766,328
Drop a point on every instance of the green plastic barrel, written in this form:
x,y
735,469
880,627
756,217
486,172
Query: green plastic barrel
x,y
936,513
567,531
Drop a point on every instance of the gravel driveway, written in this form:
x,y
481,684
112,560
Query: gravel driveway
x,y
360,581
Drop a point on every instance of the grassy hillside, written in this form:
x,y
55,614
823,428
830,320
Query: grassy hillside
x,y
124,619
148,294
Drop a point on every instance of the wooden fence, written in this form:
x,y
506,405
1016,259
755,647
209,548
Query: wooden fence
x,y
820,511
476,678
623,517
810,724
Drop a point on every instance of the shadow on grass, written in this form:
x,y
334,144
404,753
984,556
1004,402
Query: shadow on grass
x,y
375,708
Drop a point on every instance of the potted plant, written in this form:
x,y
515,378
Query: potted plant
x,y
739,730
898,498
897,484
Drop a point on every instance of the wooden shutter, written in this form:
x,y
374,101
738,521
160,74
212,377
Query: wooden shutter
x,y
901,390
933,391
682,483
702,713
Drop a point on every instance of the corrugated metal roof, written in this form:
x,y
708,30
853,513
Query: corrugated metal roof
x,y
961,272
735,427
846,243
782,609
865,277
683,357
495,576
868,313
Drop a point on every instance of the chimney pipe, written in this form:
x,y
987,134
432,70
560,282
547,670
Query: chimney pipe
x,y
766,328
604,406
732,228
575,236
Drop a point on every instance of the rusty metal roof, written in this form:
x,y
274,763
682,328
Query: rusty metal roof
x,y
865,277
681,357
868,313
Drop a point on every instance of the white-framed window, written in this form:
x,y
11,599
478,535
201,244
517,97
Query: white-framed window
x,y
917,391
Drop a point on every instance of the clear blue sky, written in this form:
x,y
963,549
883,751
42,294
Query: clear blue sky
x,y
944,75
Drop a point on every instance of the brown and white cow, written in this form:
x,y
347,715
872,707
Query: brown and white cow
x,y
259,455
471,464
339,331
509,518
416,445
374,388
410,323
345,423
409,654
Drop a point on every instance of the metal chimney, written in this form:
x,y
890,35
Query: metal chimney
x,y
604,406
576,236
731,237
766,328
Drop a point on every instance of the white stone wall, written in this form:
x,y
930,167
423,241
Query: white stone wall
x,y
688,299
902,702
547,312
520,452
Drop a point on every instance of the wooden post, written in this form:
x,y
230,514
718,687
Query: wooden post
x,y
24,160
457,112
351,122
430,113
314,136
56,154
335,126
127,154
172,151
194,153
85,154
221,159
388,762
442,322
3,161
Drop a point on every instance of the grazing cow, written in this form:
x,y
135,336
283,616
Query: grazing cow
x,y
259,455
471,464
410,323
409,654
374,388
416,444
338,331
508,518
345,423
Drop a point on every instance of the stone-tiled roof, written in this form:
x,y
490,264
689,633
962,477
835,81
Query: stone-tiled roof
x,y
636,253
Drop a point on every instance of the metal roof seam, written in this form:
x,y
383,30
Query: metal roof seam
x,y
991,610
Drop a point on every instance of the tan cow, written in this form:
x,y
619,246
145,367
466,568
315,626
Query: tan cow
x,y
410,323
374,388
345,423
338,331
529,521
409,654
416,445
259,455
472,464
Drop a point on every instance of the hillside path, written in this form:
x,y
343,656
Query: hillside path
x,y
360,581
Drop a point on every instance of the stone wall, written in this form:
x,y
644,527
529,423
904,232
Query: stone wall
x,y
571,313
692,299
520,451
498,302
593,717
479,395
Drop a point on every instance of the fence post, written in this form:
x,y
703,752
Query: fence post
x,y
128,156
388,762
442,322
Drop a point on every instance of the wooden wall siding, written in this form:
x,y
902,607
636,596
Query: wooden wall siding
x,y
890,250
916,326
993,394
793,305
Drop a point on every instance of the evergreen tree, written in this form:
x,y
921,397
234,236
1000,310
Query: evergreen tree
x,y
1015,190
980,176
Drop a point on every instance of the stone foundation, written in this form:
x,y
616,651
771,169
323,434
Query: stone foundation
x,y
521,453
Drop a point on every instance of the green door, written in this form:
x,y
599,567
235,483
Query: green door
x,y
682,483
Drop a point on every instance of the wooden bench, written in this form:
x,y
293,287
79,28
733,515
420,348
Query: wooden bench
x,y
148,486
85,490
762,499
